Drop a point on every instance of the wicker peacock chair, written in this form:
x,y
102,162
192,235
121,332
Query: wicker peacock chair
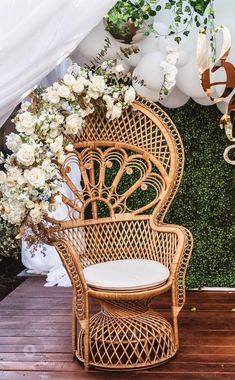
x,y
131,169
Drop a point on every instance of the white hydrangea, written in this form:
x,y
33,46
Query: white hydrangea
x,y
13,142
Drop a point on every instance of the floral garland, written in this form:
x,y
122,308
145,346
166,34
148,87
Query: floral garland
x,y
31,182
170,72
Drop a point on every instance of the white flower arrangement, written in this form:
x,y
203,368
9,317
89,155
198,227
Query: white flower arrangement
x,y
170,72
30,182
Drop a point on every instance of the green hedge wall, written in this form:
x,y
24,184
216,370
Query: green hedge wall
x,y
205,201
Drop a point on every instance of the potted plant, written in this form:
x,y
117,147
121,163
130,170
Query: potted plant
x,y
129,21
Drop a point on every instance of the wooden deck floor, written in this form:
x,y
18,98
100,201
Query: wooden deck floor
x,y
35,338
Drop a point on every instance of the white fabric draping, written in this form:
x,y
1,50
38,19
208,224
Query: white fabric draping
x,y
35,36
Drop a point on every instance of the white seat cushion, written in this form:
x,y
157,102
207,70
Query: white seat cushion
x,y
126,274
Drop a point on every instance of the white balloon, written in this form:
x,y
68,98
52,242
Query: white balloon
x,y
222,106
188,80
94,42
176,99
224,14
160,28
183,58
150,71
167,44
143,90
205,101
149,44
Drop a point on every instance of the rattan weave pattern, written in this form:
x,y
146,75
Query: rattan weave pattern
x,y
126,333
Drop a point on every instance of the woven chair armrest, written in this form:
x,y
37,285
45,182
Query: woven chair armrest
x,y
72,264
180,258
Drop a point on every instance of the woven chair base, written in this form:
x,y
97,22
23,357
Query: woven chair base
x,y
127,335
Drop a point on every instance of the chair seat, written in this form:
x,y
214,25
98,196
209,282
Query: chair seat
x,y
126,275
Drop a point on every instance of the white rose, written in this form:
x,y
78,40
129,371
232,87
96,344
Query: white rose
x,y
21,180
13,142
109,102
10,182
57,145
129,96
78,86
25,155
30,204
59,118
36,177
54,130
73,124
63,91
98,83
93,94
26,123
36,215
115,112
96,87
3,177
14,173
69,79
53,96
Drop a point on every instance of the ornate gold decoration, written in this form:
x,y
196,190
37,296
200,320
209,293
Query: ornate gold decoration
x,y
205,70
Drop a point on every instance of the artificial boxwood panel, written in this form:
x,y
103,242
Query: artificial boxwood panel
x,y
205,200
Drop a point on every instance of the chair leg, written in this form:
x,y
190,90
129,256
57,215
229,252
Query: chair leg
x,y
74,332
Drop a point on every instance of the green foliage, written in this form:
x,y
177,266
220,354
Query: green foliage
x,y
205,201
127,16
9,246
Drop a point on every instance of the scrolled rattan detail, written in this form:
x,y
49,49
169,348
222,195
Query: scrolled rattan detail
x,y
143,151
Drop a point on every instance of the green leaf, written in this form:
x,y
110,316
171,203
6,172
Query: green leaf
x,y
177,39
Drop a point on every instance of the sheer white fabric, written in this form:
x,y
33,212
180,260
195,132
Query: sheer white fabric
x,y
35,36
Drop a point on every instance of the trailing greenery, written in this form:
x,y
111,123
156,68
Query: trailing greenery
x,y
9,246
128,16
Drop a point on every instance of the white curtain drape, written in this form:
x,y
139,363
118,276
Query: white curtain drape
x,y
35,36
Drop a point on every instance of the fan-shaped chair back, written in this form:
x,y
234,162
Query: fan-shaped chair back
x,y
130,167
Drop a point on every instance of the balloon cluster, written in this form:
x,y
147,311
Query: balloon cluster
x,y
160,62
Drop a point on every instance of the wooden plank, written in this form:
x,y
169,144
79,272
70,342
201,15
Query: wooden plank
x,y
28,356
35,337
98,375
